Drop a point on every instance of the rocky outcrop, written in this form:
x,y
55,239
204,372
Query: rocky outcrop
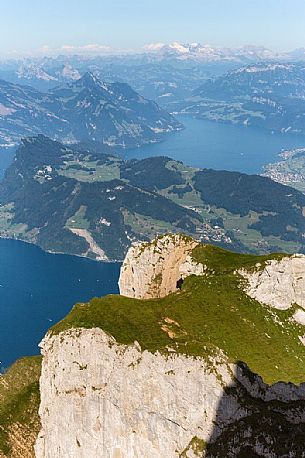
x,y
118,401
280,284
104,398
155,269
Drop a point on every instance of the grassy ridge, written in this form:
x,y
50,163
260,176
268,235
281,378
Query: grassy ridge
x,y
209,313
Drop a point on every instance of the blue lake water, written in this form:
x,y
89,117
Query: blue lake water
x,y
220,146
210,144
38,289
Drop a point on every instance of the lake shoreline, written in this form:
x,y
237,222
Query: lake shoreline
x,y
220,146
61,253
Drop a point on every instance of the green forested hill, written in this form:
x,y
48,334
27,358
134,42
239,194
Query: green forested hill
x,y
72,200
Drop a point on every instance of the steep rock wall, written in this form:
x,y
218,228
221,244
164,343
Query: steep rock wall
x,y
153,269
100,398
119,402
279,284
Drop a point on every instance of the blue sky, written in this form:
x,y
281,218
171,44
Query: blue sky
x,y
31,24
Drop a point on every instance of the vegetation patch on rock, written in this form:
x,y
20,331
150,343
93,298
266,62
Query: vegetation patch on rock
x,y
19,403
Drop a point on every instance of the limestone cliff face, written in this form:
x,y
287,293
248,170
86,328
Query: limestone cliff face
x,y
279,284
117,401
120,402
153,269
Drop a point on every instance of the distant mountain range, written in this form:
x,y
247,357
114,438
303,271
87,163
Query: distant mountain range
x,y
69,199
267,95
153,77
162,72
207,53
83,110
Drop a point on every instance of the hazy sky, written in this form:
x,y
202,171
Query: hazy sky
x,y
27,25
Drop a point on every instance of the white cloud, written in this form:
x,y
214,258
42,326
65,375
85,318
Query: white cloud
x,y
153,47
85,49
46,50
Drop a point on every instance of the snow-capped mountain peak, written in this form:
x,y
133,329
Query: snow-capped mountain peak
x,y
180,48
31,71
206,52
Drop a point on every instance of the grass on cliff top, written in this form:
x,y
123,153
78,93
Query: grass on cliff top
x,y
223,261
209,312
19,403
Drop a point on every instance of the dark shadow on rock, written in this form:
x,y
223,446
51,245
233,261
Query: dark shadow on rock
x,y
258,420
179,283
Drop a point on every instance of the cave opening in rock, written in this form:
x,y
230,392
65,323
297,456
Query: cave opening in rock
x,y
179,283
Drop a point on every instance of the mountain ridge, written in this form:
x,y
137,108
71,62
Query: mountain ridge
x,y
230,364
83,110
267,95
70,199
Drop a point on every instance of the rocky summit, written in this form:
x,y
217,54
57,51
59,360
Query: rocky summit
x,y
193,359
